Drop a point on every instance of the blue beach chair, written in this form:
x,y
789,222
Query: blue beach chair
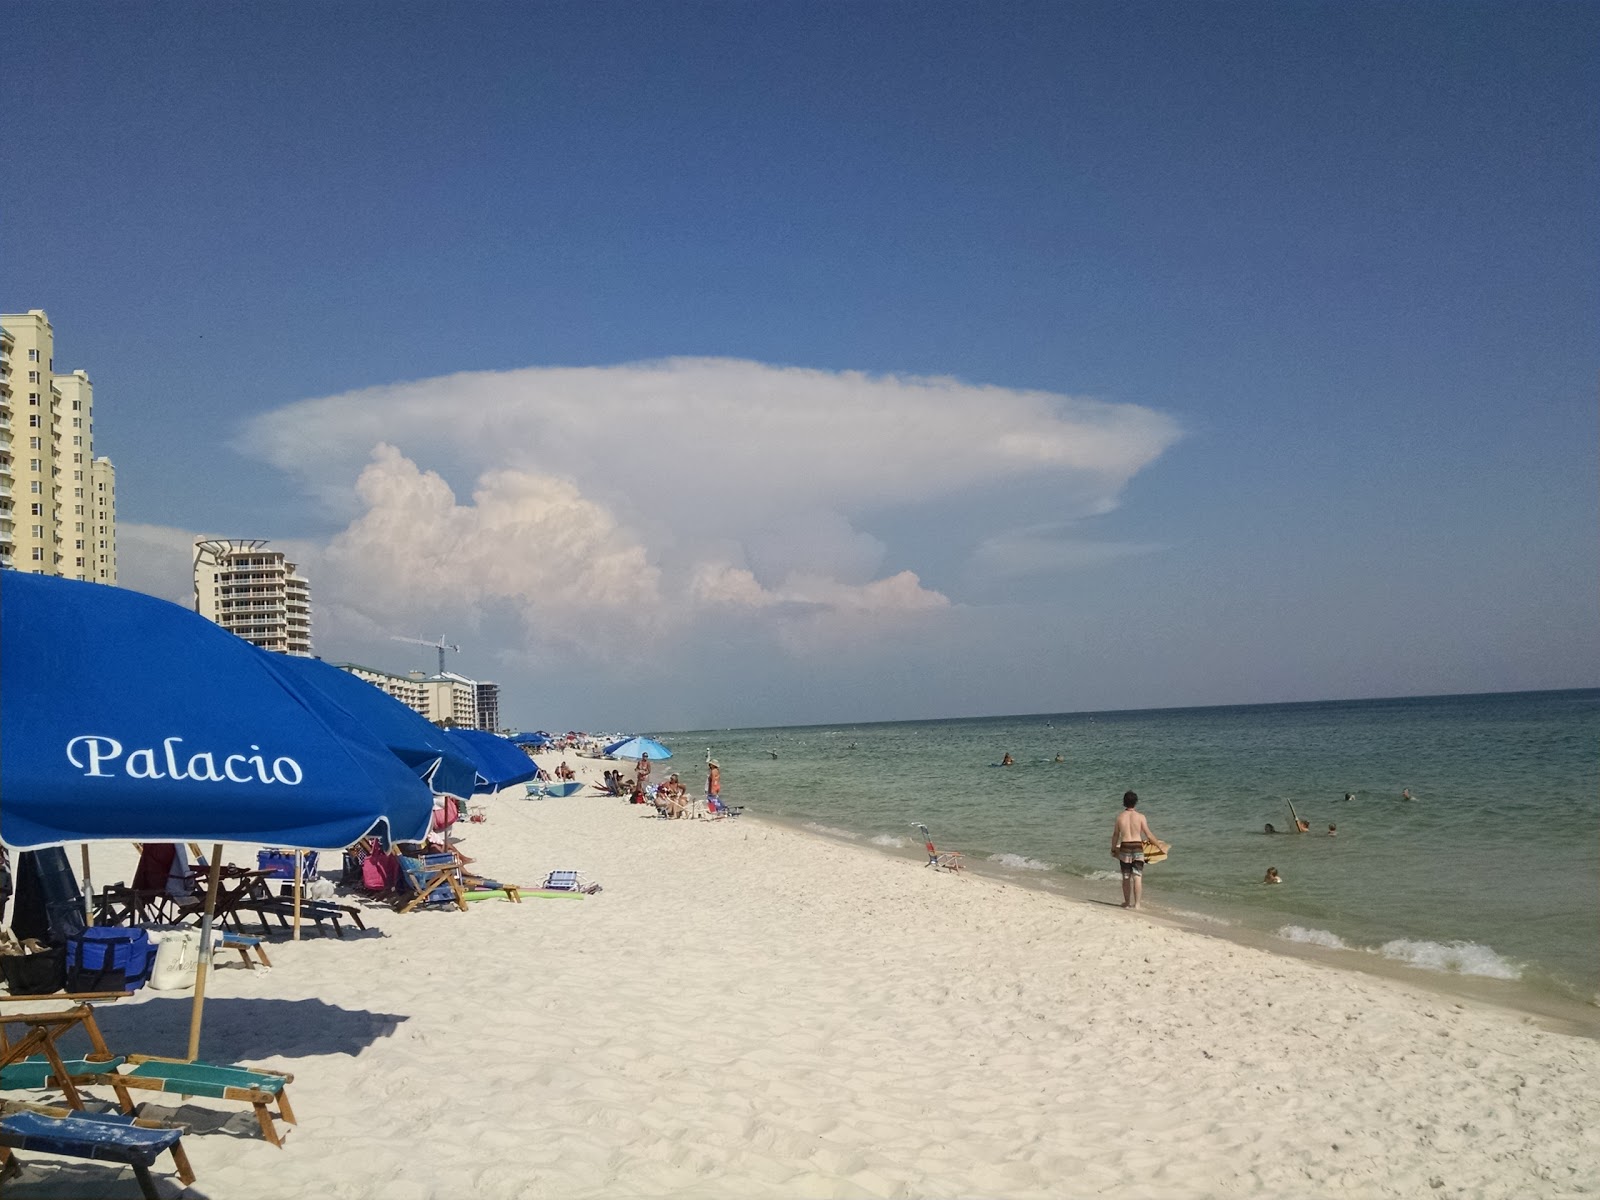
x,y
107,1137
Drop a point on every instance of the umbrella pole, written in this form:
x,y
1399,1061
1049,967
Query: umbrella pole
x,y
88,888
299,875
205,951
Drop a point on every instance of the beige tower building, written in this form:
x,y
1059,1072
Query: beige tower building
x,y
56,519
8,528
254,592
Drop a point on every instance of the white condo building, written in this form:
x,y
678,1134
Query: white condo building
x,y
57,500
443,696
254,592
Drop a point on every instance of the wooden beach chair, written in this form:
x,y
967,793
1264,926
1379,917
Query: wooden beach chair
x,y
105,1137
255,1086
434,879
34,1061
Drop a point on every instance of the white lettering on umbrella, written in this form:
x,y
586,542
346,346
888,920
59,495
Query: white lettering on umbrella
x,y
211,767
141,764
92,752
98,749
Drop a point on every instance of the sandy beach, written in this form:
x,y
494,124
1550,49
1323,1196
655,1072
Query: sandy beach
x,y
749,1010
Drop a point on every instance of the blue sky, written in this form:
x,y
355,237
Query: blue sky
x,y
943,359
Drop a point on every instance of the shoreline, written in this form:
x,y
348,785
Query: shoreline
x,y
1556,1013
747,1009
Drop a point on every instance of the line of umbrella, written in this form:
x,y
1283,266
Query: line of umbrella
x,y
127,718
629,747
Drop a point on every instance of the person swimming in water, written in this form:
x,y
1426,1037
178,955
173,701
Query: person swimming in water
x,y
1008,761
1269,828
1273,876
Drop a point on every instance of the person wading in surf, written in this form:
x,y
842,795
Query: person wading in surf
x,y
1128,837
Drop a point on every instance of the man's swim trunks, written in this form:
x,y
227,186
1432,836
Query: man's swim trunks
x,y
1131,856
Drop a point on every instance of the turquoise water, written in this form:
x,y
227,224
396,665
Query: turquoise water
x,y
1490,873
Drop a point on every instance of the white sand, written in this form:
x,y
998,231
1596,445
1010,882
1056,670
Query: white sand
x,y
746,1010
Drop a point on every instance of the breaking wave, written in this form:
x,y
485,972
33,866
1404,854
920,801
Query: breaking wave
x,y
1018,863
831,831
891,841
1461,958
1313,937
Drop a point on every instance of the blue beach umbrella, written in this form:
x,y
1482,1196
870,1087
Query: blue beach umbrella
x,y
499,763
410,736
638,747
126,718
531,739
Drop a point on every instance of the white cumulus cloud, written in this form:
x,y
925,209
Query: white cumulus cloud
x,y
673,497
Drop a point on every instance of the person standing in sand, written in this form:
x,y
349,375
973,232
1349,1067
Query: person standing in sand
x,y
1128,837
643,776
713,782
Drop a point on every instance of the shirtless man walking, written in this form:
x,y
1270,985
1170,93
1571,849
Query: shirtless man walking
x,y
1128,837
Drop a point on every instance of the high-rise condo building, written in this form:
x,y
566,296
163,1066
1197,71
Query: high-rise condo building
x,y
57,500
253,592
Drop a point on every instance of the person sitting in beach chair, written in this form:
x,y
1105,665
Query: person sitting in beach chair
x,y
672,799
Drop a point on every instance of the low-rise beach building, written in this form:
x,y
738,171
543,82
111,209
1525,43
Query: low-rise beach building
x,y
443,696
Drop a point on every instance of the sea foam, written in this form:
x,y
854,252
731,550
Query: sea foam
x,y
1018,863
832,831
891,841
1313,937
1462,958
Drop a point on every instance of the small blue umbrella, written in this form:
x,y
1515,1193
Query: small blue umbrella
x,y
410,736
531,739
638,747
499,763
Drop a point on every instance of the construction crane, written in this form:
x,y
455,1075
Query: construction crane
x,y
441,646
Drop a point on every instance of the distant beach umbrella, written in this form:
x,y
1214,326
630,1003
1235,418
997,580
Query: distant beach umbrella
x,y
531,739
638,747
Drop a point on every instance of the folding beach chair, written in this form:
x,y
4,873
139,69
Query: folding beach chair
x,y
255,1086
435,879
945,860
34,1061
107,1137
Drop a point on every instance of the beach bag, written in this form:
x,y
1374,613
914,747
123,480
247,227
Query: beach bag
x,y
446,814
108,959
35,974
380,872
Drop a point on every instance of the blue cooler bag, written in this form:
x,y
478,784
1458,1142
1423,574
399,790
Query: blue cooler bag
x,y
109,959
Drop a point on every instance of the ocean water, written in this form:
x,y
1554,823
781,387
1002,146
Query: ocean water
x,y
1489,874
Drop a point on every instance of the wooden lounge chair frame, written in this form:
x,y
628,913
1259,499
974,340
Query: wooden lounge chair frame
x,y
74,1127
148,1072
434,873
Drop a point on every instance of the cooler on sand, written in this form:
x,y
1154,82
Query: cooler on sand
x,y
108,959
